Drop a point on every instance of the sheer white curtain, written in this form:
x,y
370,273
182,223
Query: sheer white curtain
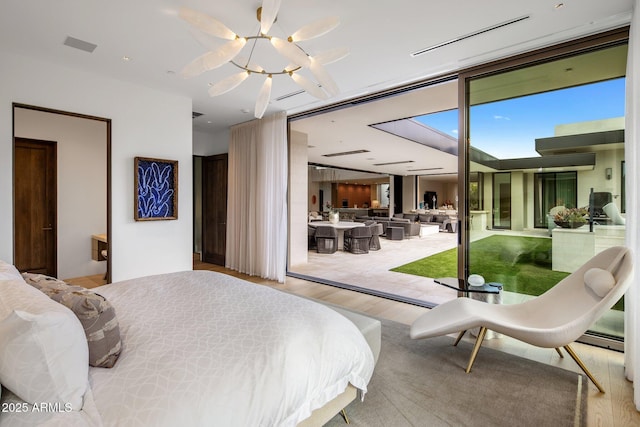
x,y
257,201
632,162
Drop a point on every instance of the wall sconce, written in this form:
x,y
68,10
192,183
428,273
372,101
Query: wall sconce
x,y
607,173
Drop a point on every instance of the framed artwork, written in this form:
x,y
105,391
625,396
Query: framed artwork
x,y
156,189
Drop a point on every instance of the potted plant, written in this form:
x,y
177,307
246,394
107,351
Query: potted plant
x,y
571,218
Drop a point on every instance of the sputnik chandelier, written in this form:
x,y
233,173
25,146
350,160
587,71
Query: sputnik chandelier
x,y
289,48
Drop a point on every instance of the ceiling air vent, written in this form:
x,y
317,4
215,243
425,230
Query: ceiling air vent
x,y
468,36
393,163
289,95
80,44
195,115
423,169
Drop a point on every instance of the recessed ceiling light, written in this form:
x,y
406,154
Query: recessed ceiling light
x,y
245,110
209,121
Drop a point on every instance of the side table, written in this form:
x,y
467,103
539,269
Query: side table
x,y
395,233
490,292
488,297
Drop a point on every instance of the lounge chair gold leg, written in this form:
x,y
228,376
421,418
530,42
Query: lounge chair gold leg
x,y
460,335
344,415
583,367
559,353
476,348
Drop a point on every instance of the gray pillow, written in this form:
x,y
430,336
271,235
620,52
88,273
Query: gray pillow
x,y
425,218
96,314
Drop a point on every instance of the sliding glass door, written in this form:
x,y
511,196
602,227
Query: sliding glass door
x,y
553,190
546,135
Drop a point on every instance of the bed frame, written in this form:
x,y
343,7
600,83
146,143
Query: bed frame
x,y
372,331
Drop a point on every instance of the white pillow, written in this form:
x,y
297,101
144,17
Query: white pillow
x,y
599,281
44,357
8,271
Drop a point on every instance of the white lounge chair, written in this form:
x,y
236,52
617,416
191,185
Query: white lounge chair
x,y
554,319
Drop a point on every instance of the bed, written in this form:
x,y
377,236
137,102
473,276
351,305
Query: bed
x,y
197,348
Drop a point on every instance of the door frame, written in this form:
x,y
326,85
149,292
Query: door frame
x,y
107,122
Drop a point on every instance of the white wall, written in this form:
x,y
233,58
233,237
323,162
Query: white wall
x,y
298,198
314,190
208,144
408,193
81,148
145,122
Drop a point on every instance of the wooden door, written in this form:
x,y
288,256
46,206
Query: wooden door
x,y
214,208
35,206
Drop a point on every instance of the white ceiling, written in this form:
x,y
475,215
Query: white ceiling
x,y
349,129
380,36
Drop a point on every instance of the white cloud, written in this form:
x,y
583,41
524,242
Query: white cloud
x,y
454,131
501,118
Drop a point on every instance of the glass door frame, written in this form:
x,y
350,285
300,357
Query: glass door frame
x,y
567,49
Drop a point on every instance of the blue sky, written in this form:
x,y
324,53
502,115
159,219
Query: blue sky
x,y
508,129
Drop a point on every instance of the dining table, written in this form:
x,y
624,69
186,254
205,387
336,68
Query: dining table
x,y
340,227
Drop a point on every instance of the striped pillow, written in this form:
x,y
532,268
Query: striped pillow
x,y
96,314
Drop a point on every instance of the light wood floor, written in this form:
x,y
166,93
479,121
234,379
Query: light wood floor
x,y
615,408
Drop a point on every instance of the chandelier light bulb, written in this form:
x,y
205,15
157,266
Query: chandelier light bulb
x,y
268,14
290,51
263,97
230,83
315,29
332,55
206,23
323,77
310,87
215,59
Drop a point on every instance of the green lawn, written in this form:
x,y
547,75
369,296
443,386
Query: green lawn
x,y
521,264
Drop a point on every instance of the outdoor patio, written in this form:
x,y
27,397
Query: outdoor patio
x,y
372,271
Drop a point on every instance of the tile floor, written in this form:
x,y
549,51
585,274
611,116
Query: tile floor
x,y
372,271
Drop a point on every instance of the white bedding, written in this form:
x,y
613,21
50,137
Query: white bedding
x,y
203,348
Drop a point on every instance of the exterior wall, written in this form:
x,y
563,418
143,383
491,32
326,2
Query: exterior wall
x,y
596,178
518,211
408,193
